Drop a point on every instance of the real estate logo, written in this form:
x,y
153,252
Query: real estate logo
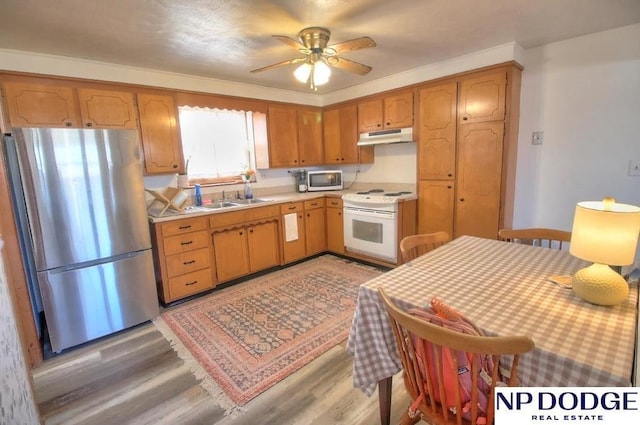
x,y
567,405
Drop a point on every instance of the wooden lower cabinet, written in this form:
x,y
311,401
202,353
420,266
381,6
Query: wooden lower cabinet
x,y
182,258
335,226
245,242
435,206
315,222
293,232
246,249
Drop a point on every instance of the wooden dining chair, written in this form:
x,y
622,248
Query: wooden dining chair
x,y
415,245
425,388
549,238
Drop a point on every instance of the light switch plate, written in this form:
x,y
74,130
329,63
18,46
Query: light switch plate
x,y
634,168
536,137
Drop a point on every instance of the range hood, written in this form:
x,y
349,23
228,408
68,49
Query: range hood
x,y
398,135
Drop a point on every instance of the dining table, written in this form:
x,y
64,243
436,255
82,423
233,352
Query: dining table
x,y
505,289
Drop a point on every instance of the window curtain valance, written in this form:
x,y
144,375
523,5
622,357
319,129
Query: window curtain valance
x,y
221,102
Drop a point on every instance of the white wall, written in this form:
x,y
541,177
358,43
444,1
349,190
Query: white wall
x,y
584,94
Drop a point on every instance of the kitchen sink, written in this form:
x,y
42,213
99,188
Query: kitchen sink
x,y
219,204
248,201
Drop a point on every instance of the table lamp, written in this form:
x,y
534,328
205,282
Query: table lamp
x,y
605,233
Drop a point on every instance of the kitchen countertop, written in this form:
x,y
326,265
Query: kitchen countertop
x,y
281,198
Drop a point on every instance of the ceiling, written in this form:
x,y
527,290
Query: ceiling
x,y
225,39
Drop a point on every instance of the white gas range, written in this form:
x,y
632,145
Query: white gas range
x,y
371,222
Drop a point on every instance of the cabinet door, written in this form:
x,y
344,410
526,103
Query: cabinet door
x,y
310,148
482,98
398,110
231,253
316,231
263,246
41,105
435,206
349,135
160,138
331,136
107,109
283,136
295,249
335,230
479,179
437,137
370,116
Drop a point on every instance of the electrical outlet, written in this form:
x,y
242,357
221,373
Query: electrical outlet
x,y
634,168
536,138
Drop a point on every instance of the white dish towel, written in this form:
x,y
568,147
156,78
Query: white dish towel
x,y
291,227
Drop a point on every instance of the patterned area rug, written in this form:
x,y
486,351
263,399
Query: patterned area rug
x,y
252,335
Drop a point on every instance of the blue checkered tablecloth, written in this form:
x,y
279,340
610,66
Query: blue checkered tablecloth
x,y
504,288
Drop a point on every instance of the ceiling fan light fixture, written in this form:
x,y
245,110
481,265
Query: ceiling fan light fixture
x,y
303,72
321,73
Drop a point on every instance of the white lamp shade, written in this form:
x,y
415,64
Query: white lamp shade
x,y
605,232
321,73
302,72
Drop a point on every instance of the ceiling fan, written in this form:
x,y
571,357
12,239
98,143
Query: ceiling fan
x,y
312,43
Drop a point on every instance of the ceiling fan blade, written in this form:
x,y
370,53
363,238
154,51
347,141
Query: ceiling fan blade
x,y
291,42
348,65
275,65
351,45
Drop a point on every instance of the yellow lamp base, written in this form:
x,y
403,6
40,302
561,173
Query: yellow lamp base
x,y
599,284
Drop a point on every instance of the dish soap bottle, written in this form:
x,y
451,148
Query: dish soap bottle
x,y
198,196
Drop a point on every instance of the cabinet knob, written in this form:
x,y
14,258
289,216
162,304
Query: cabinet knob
x,y
250,230
240,233
388,123
175,165
339,213
295,161
68,124
465,118
89,124
378,125
461,199
308,215
449,175
449,187
302,160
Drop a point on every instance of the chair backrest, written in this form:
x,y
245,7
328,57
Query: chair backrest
x,y
424,389
549,238
415,245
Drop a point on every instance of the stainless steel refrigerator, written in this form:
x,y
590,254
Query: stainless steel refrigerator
x,y
81,213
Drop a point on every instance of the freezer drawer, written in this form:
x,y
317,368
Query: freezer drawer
x,y
90,302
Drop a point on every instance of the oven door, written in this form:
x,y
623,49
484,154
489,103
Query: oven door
x,y
371,232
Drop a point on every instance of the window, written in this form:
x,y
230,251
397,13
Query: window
x,y
217,144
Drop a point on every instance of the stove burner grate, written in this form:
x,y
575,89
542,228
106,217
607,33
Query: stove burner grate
x,y
371,191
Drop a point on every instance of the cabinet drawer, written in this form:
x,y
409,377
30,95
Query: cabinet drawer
x,y
244,216
314,203
188,242
189,284
291,207
334,202
188,262
184,226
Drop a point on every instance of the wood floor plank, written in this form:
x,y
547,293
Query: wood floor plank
x,y
135,377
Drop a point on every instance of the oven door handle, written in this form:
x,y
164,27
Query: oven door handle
x,y
358,212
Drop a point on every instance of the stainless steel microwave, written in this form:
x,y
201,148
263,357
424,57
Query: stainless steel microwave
x,y
324,180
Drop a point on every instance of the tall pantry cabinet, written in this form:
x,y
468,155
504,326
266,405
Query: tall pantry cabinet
x,y
468,129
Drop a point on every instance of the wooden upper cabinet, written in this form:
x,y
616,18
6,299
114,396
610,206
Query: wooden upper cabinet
x,y
160,134
482,98
341,137
394,111
40,105
310,147
107,109
282,127
437,132
370,116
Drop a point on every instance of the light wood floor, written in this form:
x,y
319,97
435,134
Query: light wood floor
x,y
135,377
